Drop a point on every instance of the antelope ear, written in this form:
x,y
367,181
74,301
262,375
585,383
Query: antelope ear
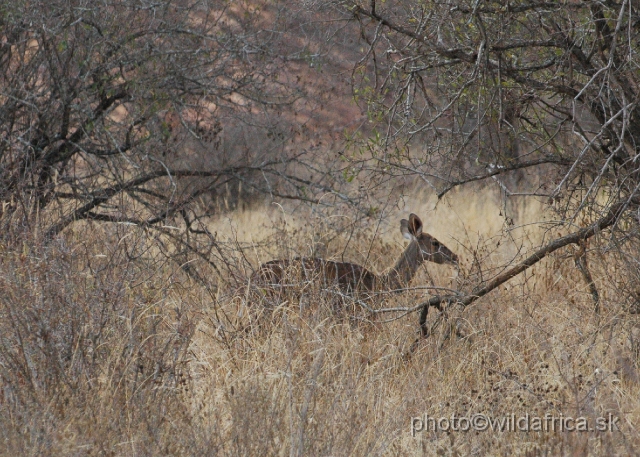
x,y
415,225
404,229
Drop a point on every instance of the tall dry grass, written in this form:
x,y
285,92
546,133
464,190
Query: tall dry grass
x,y
301,381
108,349
93,351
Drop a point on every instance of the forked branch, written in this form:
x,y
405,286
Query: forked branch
x,y
612,216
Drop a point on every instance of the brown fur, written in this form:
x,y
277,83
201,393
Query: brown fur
x,y
351,278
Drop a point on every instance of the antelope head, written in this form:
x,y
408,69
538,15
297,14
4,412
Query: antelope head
x,y
430,249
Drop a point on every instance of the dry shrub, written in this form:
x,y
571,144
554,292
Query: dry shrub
x,y
93,352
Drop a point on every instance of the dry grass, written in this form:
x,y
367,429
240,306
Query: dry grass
x,y
103,354
329,389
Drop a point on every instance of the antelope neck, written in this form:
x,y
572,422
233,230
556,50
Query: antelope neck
x,y
399,276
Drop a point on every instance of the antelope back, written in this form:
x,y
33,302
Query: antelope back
x,y
348,277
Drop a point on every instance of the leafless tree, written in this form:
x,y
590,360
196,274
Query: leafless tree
x,y
538,97
143,113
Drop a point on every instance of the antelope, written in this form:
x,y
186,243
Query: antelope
x,y
353,279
